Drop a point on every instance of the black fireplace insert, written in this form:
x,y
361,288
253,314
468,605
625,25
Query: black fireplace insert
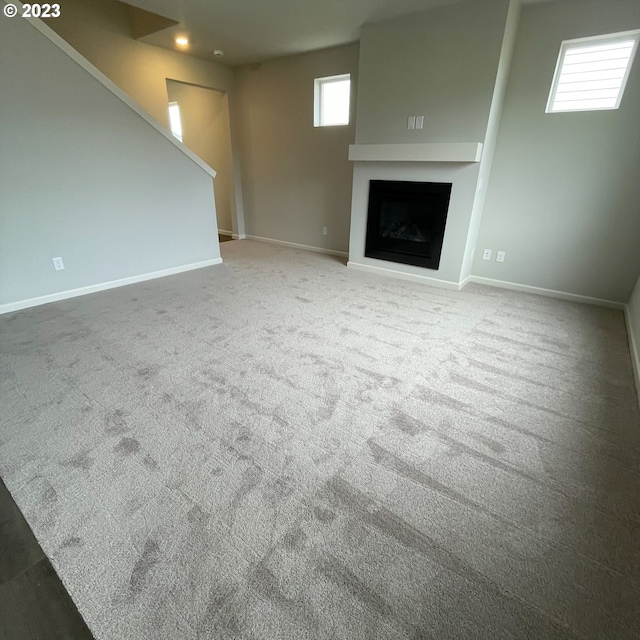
x,y
406,221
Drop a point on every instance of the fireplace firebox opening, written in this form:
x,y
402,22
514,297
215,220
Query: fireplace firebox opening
x,y
406,221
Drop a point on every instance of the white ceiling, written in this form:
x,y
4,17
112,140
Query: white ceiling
x,y
250,31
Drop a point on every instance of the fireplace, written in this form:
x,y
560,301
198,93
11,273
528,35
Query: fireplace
x,y
406,221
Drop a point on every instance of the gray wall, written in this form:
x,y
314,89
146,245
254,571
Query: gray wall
x,y
491,136
564,194
634,331
205,130
297,178
82,176
101,32
441,63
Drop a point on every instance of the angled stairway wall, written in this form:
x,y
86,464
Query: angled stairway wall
x,y
633,327
86,176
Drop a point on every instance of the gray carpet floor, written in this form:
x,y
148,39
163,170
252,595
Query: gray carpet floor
x,y
283,448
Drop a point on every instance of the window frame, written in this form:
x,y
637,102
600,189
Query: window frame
x,y
318,89
567,45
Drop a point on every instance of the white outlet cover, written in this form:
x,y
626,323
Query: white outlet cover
x,y
500,256
58,264
411,122
486,254
419,122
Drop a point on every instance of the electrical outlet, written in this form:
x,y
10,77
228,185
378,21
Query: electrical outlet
x,y
411,122
419,122
324,231
58,264
486,254
500,256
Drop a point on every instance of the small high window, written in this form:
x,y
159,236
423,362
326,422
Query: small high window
x,y
175,121
331,100
591,73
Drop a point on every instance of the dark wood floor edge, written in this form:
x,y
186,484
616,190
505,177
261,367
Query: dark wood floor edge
x,y
50,601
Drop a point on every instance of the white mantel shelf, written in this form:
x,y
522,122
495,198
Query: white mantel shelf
x,y
427,152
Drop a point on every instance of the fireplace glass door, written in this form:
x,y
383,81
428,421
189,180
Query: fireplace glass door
x,y
406,221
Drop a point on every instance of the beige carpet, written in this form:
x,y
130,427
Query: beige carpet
x,y
282,448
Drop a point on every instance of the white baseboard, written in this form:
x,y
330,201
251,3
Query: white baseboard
x,y
238,236
551,293
82,291
634,349
224,232
295,245
443,284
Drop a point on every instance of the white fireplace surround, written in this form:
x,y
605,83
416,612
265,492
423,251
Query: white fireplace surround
x,y
428,152
455,163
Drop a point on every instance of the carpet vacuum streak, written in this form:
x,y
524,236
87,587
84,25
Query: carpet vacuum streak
x,y
279,447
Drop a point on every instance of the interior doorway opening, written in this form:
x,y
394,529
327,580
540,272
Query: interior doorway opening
x,y
206,130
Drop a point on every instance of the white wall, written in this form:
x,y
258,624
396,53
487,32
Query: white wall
x,y
205,130
564,190
297,177
633,326
84,177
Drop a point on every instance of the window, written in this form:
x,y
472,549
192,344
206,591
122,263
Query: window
x,y
331,97
591,73
174,120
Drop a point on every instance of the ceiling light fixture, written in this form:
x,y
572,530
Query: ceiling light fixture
x,y
218,53
182,41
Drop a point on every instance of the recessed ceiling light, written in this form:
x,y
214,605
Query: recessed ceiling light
x,y
182,41
218,53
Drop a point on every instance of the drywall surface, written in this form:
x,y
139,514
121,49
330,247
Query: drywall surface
x,y
440,63
101,32
493,127
564,190
634,311
297,178
85,178
633,321
443,64
205,130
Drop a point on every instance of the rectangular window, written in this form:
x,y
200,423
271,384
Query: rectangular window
x,y
591,73
331,100
175,121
